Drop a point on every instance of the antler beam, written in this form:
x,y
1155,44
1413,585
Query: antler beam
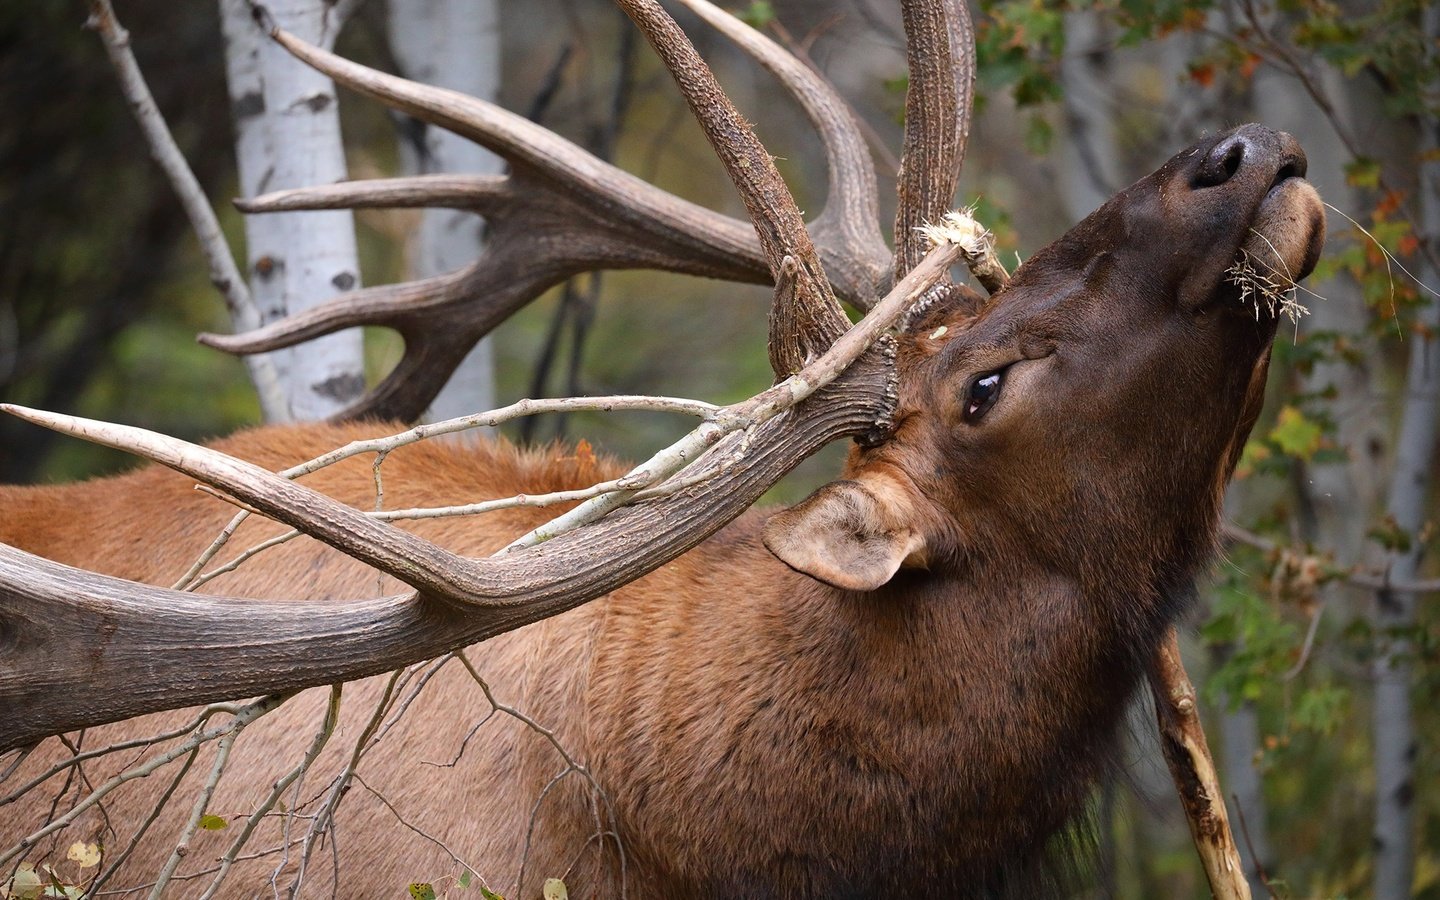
x,y
940,49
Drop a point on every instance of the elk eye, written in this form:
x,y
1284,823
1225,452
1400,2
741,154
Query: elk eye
x,y
983,393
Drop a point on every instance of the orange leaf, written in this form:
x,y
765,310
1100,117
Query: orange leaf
x,y
1389,203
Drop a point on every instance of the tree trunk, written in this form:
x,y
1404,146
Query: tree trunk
x,y
287,134
1239,740
1395,739
453,45
1088,156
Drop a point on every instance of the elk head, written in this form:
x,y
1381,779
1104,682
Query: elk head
x,y
1109,386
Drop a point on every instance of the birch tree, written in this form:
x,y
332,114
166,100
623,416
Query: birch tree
x,y
287,134
455,45
1409,507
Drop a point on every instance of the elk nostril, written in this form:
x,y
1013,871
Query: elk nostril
x,y
1233,157
1222,162
1291,167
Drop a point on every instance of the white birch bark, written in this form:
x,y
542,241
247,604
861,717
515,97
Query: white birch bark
x,y
451,44
287,134
1408,503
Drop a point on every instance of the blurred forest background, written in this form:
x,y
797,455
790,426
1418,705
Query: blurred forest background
x,y
1317,640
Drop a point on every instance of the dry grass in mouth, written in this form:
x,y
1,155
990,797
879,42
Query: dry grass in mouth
x,y
1265,287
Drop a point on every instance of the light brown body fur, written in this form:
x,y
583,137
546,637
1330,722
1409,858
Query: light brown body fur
x,y
724,661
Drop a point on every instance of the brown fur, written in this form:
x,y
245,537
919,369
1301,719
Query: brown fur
x,y
760,732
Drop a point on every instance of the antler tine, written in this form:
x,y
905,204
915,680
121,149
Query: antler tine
x,y
940,49
390,305
806,320
847,229
559,212
532,246
481,193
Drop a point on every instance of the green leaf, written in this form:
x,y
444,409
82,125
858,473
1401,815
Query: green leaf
x,y
464,879
422,890
1363,172
1388,534
212,823
1321,709
1038,136
1296,435
489,894
758,14
25,884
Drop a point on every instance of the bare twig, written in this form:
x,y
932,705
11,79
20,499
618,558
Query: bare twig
x,y
571,764
1376,581
324,820
144,828
243,716
454,857
1307,646
1249,845
200,718
327,728
202,803
385,445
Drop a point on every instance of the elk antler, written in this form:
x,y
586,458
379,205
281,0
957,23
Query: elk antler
x,y
940,50
561,211
196,649
575,213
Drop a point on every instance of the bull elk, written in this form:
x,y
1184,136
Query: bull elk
x,y
905,685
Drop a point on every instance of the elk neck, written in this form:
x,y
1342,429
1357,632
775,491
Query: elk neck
x,y
745,699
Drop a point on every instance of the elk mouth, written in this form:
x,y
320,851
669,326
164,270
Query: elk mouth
x,y
1281,245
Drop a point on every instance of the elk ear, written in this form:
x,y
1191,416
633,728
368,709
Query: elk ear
x,y
848,534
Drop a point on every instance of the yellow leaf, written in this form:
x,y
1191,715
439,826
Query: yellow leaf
x,y
212,823
87,855
554,889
